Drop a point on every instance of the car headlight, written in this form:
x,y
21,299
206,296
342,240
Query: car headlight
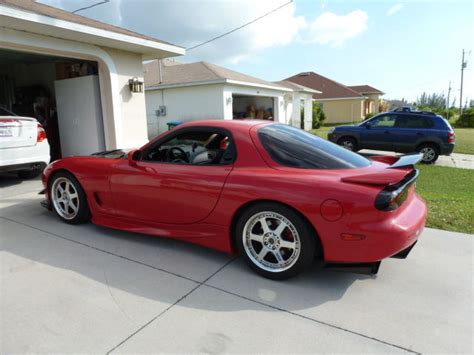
x,y
332,130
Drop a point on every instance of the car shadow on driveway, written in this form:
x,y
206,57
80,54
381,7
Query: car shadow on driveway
x,y
37,236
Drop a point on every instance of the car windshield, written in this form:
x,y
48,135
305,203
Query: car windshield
x,y
296,148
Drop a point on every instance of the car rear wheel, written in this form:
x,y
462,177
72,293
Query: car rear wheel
x,y
69,199
348,143
430,153
275,241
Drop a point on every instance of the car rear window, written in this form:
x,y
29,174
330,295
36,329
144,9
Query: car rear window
x,y
296,148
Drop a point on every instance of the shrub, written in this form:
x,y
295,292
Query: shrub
x,y
318,116
466,120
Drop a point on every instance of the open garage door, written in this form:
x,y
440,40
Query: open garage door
x,y
257,107
63,94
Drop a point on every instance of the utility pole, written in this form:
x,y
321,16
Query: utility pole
x,y
447,101
463,66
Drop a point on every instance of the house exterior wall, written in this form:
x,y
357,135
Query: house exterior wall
x,y
124,114
343,111
183,104
132,105
375,99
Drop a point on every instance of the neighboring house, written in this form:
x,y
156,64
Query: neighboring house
x,y
340,103
196,91
56,61
373,97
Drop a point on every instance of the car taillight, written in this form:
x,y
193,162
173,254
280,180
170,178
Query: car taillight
x,y
451,137
41,134
393,196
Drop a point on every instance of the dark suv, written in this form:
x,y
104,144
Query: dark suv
x,y
399,131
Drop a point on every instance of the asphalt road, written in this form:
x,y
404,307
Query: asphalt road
x,y
91,289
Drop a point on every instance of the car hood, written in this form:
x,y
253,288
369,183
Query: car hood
x,y
112,154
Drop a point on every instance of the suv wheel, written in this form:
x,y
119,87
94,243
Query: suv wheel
x,y
348,143
430,153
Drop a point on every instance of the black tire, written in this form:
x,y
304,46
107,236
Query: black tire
x,y
430,153
29,174
349,143
83,214
298,258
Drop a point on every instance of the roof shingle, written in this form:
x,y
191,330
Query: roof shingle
x,y
330,89
173,73
365,89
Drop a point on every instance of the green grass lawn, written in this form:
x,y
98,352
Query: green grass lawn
x,y
464,138
449,193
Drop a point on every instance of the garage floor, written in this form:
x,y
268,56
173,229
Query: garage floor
x,y
90,289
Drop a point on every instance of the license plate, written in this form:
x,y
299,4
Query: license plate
x,y
6,132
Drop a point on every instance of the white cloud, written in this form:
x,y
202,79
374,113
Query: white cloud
x,y
394,9
189,22
332,29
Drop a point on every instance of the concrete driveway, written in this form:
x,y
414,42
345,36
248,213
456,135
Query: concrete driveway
x,y
90,289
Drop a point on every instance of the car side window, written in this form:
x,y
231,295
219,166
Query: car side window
x,y
384,121
415,122
200,147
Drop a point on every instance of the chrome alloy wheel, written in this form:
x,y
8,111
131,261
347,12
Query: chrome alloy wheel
x,y
271,241
428,153
65,198
348,145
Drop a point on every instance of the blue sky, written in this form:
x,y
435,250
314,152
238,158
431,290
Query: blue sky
x,y
401,47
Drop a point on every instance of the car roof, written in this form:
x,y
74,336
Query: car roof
x,y
244,124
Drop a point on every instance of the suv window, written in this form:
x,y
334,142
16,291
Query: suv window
x,y
194,147
292,147
414,121
384,121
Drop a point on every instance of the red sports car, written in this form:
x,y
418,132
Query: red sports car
x,y
279,196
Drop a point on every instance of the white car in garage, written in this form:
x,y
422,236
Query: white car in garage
x,y
24,148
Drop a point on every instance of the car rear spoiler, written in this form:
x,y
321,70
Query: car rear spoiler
x,y
408,160
391,175
403,161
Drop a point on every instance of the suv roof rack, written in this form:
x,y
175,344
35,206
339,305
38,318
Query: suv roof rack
x,y
409,109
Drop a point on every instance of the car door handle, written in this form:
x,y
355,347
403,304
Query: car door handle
x,y
419,134
386,132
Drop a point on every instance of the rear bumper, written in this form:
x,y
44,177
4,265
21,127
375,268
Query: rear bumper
x,y
394,236
24,158
25,166
447,149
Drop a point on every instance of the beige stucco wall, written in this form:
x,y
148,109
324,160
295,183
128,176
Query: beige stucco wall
x,y
133,109
343,111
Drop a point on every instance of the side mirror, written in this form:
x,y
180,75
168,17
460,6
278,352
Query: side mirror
x,y
368,125
134,156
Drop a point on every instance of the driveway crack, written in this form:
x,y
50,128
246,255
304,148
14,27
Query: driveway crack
x,y
171,306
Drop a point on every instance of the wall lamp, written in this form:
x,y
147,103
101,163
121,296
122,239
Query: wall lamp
x,y
135,85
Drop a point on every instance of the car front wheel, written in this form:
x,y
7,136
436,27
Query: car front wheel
x,y
69,199
275,241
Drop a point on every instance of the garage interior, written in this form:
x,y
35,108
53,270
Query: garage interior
x,y
257,107
63,94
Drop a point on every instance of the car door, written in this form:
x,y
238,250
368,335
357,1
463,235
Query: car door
x,y
164,187
378,133
410,130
